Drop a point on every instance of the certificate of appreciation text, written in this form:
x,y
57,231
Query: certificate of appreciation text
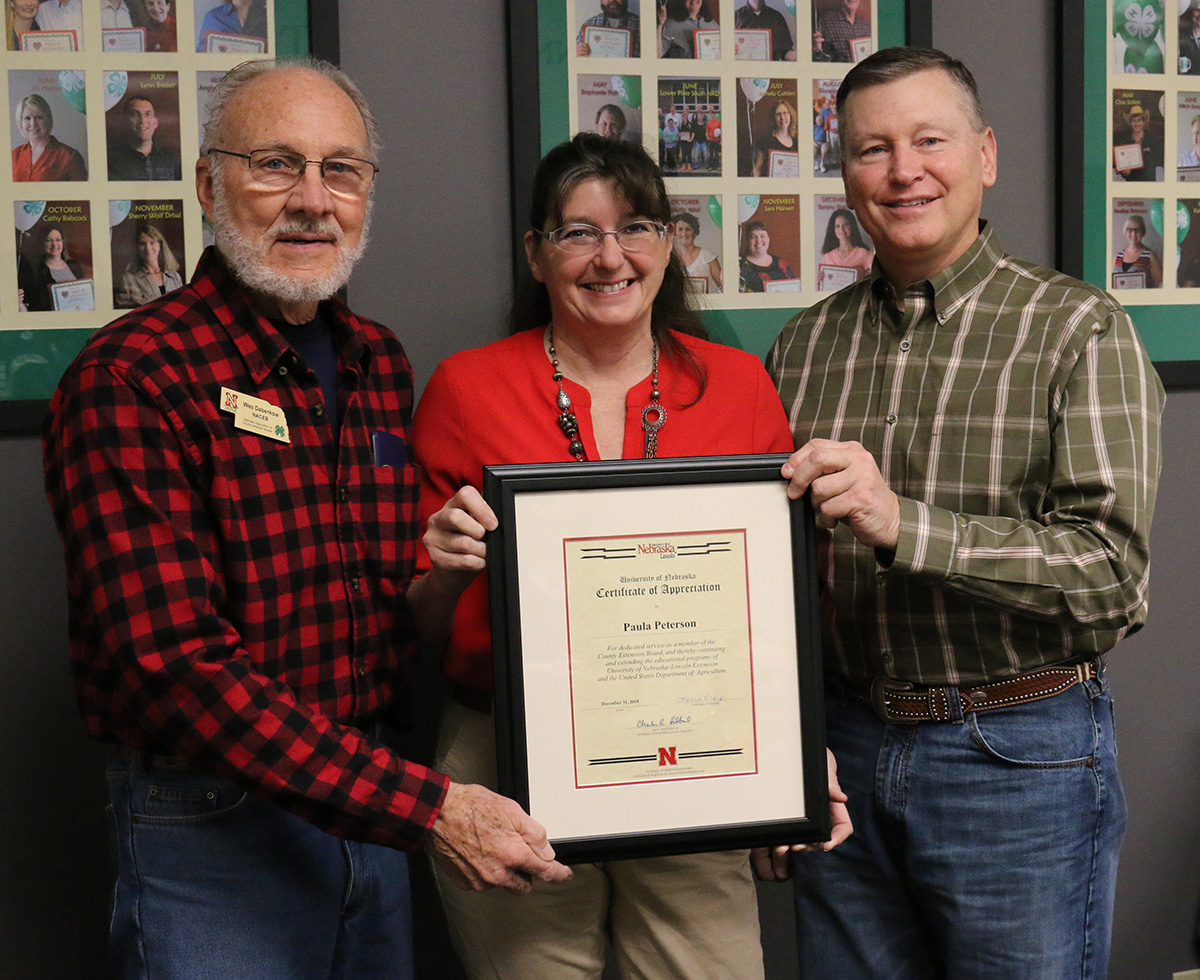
x,y
658,640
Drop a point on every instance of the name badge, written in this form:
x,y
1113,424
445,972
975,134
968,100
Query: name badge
x,y
255,415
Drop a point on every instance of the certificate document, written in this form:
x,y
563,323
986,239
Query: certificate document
x,y
834,277
1127,156
217,43
608,42
708,44
783,163
658,643
48,41
78,294
657,661
1129,280
860,47
124,39
781,286
752,44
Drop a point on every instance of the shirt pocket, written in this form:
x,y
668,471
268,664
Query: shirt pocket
x,y
988,463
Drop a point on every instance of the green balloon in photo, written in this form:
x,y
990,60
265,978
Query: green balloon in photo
x,y
1136,20
714,209
70,83
1156,214
1143,57
633,91
1183,221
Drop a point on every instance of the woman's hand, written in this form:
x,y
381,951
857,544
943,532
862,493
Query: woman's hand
x,y
454,539
454,535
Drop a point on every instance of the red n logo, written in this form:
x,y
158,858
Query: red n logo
x,y
666,757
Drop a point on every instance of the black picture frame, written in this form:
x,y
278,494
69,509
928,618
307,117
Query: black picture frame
x,y
537,121
1083,90
302,26
733,487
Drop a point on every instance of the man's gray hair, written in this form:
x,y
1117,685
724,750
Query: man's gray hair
x,y
893,64
235,78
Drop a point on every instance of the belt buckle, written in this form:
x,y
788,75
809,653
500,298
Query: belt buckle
x,y
881,687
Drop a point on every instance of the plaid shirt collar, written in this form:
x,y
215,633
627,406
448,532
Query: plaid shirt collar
x,y
258,341
956,283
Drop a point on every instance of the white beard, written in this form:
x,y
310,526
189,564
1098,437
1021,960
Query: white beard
x,y
246,256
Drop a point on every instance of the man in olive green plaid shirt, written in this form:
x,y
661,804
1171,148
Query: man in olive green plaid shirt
x,y
981,440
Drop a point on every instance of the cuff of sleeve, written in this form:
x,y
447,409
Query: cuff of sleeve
x,y
417,805
927,542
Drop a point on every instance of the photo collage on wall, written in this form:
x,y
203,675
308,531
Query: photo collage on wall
x,y
106,105
736,100
1154,149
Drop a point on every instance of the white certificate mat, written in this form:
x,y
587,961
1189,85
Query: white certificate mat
x,y
654,659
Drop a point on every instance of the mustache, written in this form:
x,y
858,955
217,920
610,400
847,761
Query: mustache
x,y
308,226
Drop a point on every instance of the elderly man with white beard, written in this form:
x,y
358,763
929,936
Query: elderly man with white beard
x,y
230,471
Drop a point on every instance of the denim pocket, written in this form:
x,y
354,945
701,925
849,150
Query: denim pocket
x,y
163,797
1056,733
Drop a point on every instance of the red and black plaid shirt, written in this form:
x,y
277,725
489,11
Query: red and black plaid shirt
x,y
233,598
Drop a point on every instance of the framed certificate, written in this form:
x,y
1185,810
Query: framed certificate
x,y
697,284
835,277
752,44
860,47
217,43
708,44
608,42
781,286
1127,156
783,163
657,655
79,294
124,39
1129,280
49,41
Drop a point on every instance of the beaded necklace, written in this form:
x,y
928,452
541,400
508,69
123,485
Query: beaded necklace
x,y
653,415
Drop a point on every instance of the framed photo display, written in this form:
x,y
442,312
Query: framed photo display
x,y
657,657
739,110
1129,174
88,86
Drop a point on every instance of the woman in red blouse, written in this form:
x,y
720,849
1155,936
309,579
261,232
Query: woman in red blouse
x,y
606,361
43,157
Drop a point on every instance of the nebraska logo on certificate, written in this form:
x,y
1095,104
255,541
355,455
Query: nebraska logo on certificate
x,y
661,667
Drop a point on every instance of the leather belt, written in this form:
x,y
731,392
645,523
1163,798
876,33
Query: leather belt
x,y
902,703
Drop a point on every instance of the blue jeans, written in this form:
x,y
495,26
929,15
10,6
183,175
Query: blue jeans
x,y
982,850
215,883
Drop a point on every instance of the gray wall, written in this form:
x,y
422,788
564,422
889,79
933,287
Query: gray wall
x,y
438,271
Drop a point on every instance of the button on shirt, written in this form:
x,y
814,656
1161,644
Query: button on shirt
x,y
234,598
1016,414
